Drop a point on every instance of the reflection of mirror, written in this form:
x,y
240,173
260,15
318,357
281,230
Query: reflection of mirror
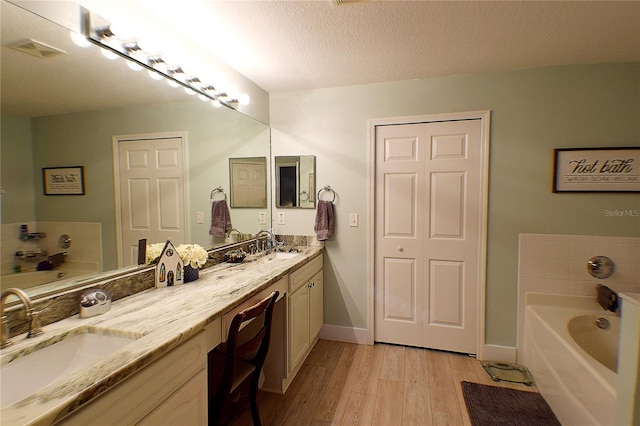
x,y
64,110
296,182
248,177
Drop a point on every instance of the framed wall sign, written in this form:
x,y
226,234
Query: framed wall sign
x,y
63,180
596,169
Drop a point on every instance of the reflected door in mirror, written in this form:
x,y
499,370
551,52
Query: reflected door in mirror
x,y
248,177
295,182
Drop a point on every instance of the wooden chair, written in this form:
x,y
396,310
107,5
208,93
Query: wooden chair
x,y
236,364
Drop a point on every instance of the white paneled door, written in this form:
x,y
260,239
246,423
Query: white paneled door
x,y
428,237
249,188
151,182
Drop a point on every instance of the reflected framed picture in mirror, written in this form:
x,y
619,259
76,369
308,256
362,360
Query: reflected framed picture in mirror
x,y
63,180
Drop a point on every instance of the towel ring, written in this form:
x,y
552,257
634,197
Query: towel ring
x,y
304,196
328,189
215,191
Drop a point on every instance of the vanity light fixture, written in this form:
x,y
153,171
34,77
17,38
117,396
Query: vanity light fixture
x,y
97,31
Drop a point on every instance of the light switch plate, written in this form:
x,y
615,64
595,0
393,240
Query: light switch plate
x,y
199,217
353,219
281,218
262,218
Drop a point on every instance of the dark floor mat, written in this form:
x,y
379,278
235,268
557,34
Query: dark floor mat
x,y
493,405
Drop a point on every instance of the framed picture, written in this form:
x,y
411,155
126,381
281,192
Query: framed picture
x,y
63,180
596,169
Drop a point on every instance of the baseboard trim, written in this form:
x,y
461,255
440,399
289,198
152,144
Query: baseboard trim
x,y
344,334
499,353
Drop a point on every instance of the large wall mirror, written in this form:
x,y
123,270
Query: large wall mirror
x,y
296,181
66,108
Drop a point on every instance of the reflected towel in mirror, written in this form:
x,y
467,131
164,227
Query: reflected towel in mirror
x,y
220,218
324,220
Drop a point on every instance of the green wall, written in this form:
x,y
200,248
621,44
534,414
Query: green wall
x,y
532,112
17,179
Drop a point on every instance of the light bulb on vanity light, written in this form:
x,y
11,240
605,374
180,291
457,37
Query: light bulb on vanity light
x,y
154,75
109,54
244,99
216,103
135,66
79,40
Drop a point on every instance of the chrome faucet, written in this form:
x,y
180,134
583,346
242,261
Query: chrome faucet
x,y
266,244
32,316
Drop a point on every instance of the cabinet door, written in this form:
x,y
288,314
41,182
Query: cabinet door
x,y
187,406
316,305
298,325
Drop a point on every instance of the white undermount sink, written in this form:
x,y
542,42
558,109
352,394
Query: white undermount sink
x,y
31,373
285,255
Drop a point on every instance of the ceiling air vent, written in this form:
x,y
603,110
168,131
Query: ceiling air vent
x,y
36,48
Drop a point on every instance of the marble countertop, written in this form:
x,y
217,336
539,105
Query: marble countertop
x,y
160,319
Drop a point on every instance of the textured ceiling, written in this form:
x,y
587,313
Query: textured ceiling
x,y
292,45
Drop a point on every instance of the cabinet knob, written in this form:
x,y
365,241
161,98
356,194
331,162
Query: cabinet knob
x,y
312,284
400,248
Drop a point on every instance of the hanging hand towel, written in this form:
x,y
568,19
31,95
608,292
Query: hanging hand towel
x,y
220,218
324,220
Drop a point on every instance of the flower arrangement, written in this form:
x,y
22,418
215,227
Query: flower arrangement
x,y
191,254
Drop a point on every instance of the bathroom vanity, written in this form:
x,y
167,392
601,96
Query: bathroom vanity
x,y
161,376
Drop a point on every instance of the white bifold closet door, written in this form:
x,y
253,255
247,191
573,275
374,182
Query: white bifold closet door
x,y
429,203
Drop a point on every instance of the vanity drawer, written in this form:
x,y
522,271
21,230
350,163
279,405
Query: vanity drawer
x,y
302,275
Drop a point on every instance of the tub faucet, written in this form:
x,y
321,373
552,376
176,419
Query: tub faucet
x,y
32,316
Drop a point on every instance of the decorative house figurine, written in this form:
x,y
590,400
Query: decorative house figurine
x,y
169,269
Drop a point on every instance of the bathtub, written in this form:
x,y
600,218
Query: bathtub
x,y
67,270
573,362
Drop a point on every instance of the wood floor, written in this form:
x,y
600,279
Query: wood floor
x,y
349,384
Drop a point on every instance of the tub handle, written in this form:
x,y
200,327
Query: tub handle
x,y
601,267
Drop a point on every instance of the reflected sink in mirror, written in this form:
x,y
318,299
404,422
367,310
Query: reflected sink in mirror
x,y
43,367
